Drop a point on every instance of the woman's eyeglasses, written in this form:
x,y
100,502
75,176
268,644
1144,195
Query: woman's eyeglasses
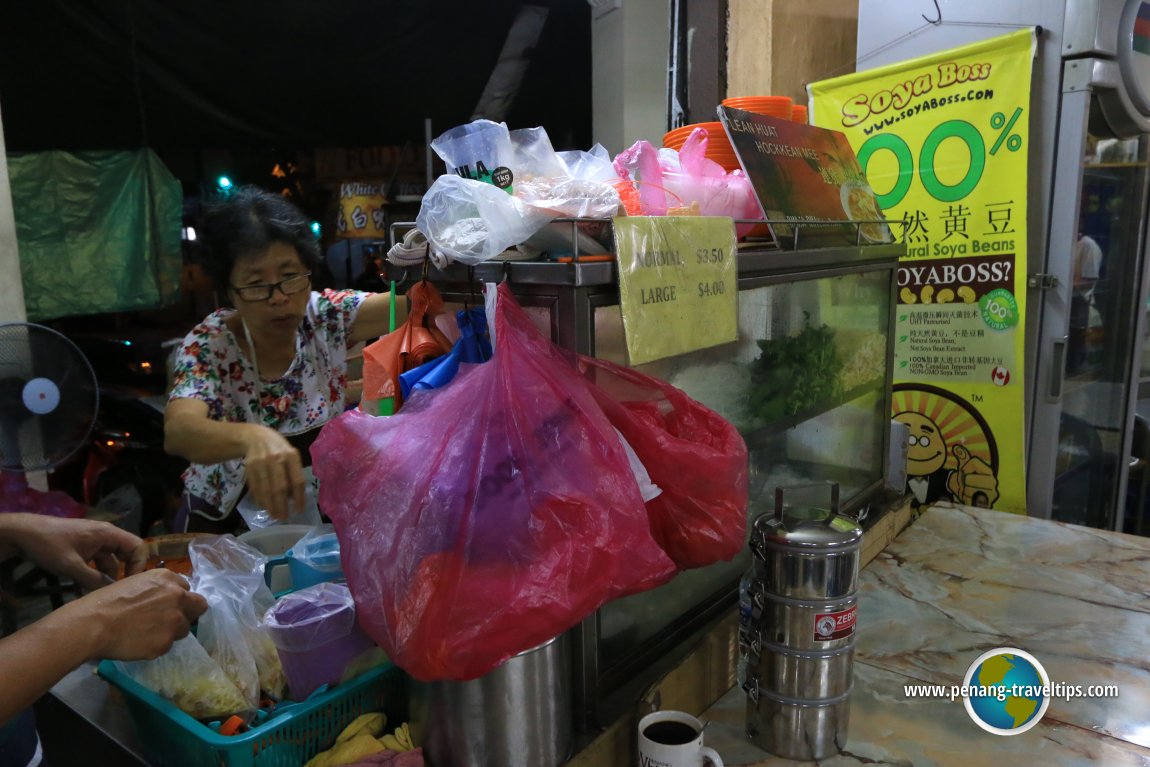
x,y
293,284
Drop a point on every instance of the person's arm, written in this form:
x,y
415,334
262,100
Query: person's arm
x,y
272,466
133,619
374,317
66,546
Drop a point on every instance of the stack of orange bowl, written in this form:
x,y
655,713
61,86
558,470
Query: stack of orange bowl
x,y
799,113
774,106
719,148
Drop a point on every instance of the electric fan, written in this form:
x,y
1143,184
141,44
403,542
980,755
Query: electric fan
x,y
48,397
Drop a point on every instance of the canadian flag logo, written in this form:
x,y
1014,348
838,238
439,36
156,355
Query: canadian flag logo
x,y
1000,376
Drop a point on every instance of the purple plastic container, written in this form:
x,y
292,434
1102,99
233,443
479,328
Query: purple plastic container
x,y
315,632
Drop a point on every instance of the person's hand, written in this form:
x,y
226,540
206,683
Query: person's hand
x,y
973,483
137,618
65,546
274,473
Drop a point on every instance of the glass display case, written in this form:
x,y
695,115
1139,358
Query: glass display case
x,y
807,382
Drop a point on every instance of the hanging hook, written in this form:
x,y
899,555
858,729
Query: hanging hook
x,y
938,11
470,286
507,272
403,277
426,261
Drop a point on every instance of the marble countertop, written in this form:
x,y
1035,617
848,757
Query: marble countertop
x,y
959,582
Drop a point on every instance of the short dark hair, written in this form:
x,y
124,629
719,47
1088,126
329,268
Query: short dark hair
x,y
247,222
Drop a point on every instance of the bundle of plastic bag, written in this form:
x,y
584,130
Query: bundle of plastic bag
x,y
475,150
664,179
697,458
417,341
503,186
472,221
188,677
16,495
489,515
229,574
697,179
223,668
547,182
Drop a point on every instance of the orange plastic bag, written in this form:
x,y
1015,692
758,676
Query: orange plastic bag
x,y
415,342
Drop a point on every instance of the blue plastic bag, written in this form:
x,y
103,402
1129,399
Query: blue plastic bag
x,y
473,346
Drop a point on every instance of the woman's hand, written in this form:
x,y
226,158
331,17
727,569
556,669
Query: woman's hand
x,y
65,546
273,467
137,618
274,473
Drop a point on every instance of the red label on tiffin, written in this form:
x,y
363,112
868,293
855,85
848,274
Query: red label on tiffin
x,y
830,626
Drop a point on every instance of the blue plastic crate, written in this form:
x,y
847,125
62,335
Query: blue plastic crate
x,y
175,739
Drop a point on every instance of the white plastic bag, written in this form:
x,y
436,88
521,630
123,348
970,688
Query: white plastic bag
x,y
256,518
476,149
473,222
230,575
187,676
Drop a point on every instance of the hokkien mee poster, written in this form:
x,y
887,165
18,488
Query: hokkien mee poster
x,y
943,141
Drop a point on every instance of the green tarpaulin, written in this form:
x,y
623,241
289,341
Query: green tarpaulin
x,y
98,231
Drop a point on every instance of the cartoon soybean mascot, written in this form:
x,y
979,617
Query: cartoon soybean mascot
x,y
951,453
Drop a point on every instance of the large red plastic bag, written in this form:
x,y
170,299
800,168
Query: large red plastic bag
x,y
695,456
487,516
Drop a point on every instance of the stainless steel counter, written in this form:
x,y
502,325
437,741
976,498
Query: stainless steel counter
x,y
84,716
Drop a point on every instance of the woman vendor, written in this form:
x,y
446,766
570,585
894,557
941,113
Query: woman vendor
x,y
254,383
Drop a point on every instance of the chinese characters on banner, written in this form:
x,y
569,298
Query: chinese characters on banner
x,y
361,212
943,141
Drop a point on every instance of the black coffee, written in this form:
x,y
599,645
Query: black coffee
x,y
671,733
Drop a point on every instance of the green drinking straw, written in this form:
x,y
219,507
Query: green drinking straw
x,y
387,406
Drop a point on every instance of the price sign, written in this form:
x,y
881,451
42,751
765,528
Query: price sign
x,y
677,284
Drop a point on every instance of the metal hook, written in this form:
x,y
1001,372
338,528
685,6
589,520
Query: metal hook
x,y
938,11
470,286
507,271
426,261
403,278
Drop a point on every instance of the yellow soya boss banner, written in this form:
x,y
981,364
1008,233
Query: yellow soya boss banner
x,y
943,141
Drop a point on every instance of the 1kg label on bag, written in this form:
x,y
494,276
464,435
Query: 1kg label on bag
x,y
830,626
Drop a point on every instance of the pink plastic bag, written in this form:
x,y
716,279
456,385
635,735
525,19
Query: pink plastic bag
x,y
667,179
487,516
693,454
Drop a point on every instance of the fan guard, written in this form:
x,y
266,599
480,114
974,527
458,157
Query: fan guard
x,y
49,397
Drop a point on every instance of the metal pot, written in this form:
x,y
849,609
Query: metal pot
x,y
518,715
804,624
807,675
808,552
801,730
801,635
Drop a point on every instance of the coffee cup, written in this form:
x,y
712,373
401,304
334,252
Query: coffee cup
x,y
674,739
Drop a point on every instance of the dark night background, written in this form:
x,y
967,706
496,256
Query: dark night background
x,y
262,81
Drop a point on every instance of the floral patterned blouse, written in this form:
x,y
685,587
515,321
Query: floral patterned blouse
x,y
211,367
